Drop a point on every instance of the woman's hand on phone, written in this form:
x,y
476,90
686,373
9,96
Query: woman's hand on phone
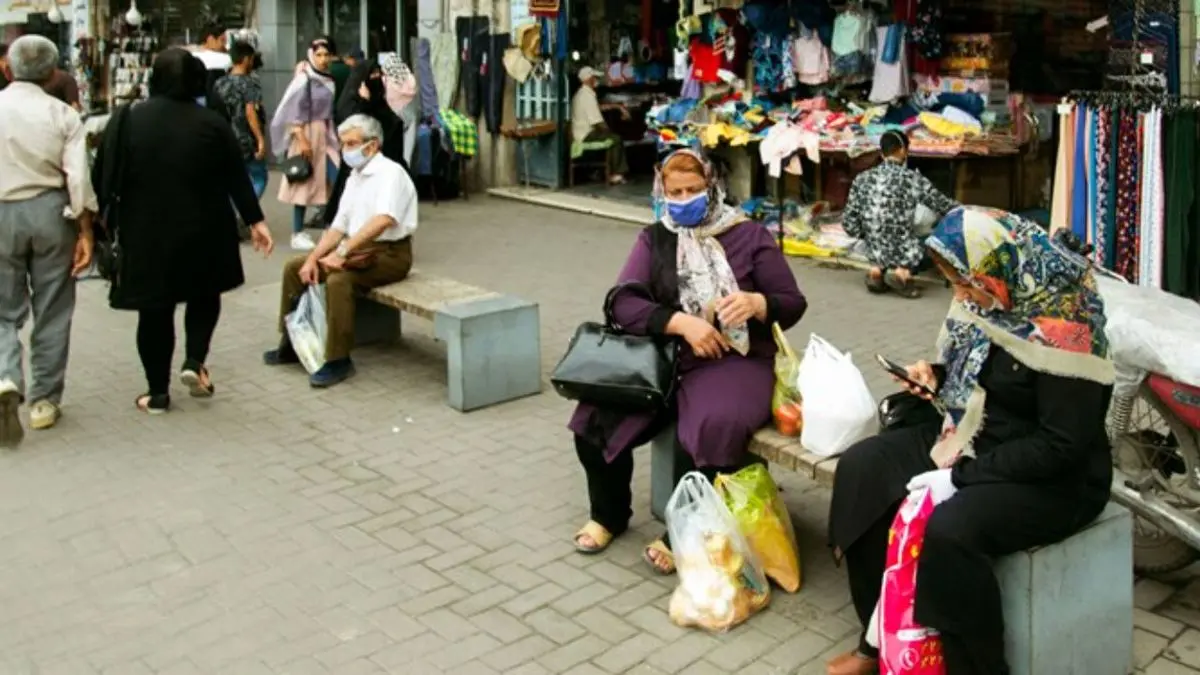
x,y
922,373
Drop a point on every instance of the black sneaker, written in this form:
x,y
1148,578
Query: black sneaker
x,y
283,355
333,372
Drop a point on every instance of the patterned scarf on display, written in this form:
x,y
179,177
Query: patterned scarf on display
x,y
398,80
1046,313
704,273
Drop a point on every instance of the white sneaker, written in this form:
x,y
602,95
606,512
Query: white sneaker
x,y
11,432
43,414
302,242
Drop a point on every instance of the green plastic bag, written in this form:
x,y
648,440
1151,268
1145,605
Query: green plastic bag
x,y
761,515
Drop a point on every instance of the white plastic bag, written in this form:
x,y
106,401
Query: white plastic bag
x,y
838,406
306,328
1150,331
721,581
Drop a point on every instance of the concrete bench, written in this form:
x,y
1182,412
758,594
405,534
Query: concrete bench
x,y
493,342
1068,607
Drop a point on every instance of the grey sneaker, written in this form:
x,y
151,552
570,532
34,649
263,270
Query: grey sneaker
x,y
11,431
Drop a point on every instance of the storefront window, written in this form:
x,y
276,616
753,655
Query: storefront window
x,y
381,27
310,24
345,24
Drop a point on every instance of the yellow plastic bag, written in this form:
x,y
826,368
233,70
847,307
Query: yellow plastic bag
x,y
786,401
762,517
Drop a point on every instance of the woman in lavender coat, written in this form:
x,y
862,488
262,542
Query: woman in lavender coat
x,y
707,275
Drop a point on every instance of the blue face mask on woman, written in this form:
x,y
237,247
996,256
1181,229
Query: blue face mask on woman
x,y
688,212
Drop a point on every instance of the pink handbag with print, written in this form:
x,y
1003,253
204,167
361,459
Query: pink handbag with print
x,y
906,648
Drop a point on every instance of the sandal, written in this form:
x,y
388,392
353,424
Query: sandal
x,y
195,377
153,404
876,284
600,535
665,564
905,289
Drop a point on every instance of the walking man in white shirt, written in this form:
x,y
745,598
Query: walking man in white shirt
x,y
369,244
46,207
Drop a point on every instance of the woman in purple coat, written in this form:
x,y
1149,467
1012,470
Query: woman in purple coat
x,y
708,275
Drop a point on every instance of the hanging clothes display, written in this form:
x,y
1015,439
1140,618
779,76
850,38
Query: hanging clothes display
x,y
1150,224
1060,211
1125,182
1182,228
1128,175
1100,204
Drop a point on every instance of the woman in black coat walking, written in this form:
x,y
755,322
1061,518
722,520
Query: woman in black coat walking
x,y
172,179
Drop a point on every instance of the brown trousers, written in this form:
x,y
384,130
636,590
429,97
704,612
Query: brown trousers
x,y
391,264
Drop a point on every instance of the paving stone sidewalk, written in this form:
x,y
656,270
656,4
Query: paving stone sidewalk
x,y
371,529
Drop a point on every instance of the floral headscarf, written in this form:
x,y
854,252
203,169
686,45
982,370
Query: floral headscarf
x,y
1046,313
704,273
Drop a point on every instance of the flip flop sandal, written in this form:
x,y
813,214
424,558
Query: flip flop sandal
x,y
876,285
905,289
195,377
599,534
664,556
153,404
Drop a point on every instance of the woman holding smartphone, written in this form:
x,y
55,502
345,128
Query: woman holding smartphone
x,y
1021,457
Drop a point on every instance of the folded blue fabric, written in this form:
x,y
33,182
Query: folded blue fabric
x,y
891,43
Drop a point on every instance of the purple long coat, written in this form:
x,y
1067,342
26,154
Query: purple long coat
x,y
721,403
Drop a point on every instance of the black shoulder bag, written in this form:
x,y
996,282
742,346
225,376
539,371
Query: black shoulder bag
x,y
611,369
108,250
297,168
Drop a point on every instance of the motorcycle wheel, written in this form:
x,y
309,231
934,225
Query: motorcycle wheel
x,y
1153,444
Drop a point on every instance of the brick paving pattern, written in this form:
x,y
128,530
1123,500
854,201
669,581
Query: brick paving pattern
x,y
371,529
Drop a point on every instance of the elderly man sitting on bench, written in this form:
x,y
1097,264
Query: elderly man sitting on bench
x,y
369,244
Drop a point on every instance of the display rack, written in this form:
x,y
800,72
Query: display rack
x,y
1144,51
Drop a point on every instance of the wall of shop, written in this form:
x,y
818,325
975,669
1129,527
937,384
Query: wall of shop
x,y
1189,52
276,22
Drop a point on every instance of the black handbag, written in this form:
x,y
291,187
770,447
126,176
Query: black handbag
x,y
107,250
297,168
905,409
611,369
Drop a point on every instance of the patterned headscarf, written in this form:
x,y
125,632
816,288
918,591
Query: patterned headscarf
x,y
1046,313
704,273
399,83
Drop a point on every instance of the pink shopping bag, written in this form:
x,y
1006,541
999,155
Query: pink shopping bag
x,y
906,648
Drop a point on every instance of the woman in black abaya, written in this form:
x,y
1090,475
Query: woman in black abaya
x,y
1022,457
365,94
179,173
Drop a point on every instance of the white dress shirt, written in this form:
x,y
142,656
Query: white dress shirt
x,y
585,113
43,147
381,187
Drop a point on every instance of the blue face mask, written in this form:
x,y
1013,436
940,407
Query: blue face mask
x,y
356,158
689,212
202,101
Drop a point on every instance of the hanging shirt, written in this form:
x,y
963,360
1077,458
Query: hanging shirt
x,y
881,211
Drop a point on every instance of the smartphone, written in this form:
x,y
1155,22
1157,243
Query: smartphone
x,y
900,372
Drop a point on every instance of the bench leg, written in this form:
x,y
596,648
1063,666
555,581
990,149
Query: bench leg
x,y
375,323
662,472
493,351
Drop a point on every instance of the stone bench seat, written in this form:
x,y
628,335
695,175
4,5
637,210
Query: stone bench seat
x,y
1068,607
493,341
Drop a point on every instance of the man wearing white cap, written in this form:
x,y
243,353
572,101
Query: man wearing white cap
x,y
588,125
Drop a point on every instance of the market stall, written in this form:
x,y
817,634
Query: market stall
x,y
793,97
